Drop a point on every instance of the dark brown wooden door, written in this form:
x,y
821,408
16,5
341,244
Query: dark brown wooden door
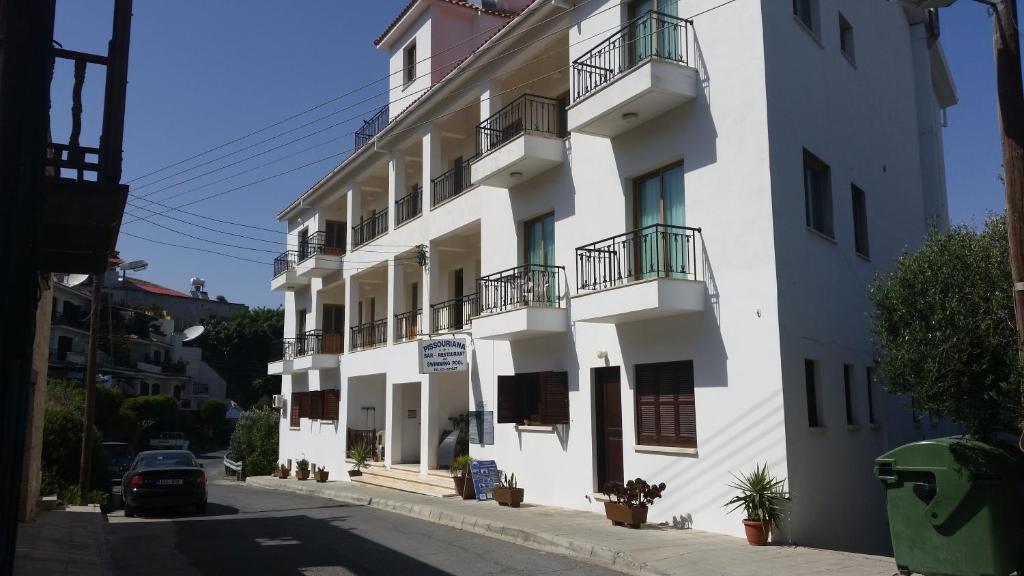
x,y
609,425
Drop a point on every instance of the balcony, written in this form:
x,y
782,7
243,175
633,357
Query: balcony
x,y
519,142
636,75
409,206
318,256
75,320
370,335
317,350
370,128
455,314
408,325
286,276
282,353
521,302
451,184
654,272
370,228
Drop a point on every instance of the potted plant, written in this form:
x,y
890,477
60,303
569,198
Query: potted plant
x,y
462,477
283,472
321,474
508,493
302,469
360,454
761,496
631,501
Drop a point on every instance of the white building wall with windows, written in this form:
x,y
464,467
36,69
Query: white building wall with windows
x,y
763,292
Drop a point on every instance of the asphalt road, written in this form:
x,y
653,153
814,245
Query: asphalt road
x,y
254,531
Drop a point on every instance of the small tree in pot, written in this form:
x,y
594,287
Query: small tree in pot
x,y
761,496
631,501
360,454
302,469
508,493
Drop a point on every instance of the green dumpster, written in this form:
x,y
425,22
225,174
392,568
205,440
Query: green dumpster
x,y
954,507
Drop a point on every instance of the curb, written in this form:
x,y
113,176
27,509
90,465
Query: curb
x,y
578,549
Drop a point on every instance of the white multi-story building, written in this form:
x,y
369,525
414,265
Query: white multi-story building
x,y
652,222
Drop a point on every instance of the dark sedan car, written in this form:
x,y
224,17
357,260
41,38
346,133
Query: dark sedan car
x,y
163,478
119,457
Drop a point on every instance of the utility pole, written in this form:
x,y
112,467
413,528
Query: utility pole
x,y
85,468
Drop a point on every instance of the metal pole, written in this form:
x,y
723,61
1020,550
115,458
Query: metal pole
x,y
84,480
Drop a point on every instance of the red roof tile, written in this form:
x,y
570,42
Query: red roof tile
x,y
155,288
412,3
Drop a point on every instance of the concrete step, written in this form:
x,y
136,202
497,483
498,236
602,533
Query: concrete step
x,y
394,483
408,475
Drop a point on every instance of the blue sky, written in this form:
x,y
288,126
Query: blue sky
x,y
204,73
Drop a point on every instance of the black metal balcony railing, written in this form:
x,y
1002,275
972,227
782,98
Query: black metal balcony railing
x,y
655,251
526,285
283,349
285,262
370,335
371,127
71,320
408,325
319,342
319,243
528,113
650,35
370,228
409,206
454,314
451,183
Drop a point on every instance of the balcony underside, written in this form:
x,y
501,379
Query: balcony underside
x,y
79,224
288,281
648,91
315,362
522,158
643,300
279,368
528,322
318,266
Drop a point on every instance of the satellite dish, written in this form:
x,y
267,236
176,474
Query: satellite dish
x,y
75,279
192,332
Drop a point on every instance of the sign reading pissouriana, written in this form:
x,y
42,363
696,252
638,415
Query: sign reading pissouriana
x,y
448,355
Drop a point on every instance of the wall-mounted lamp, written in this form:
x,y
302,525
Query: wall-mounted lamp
x,y
602,354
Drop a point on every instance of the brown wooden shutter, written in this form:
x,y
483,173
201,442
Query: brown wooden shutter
x,y
646,404
554,397
508,400
304,405
687,405
294,410
666,413
316,404
332,404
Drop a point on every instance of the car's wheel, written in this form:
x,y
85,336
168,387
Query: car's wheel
x,y
129,511
201,507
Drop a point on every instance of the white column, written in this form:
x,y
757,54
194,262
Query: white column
x,y
395,295
433,163
426,287
490,99
428,424
351,309
396,184
392,411
354,211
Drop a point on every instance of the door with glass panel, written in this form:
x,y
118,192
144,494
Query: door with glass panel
x,y
540,281
651,35
334,329
661,246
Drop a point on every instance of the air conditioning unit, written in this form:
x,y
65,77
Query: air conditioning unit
x,y
279,401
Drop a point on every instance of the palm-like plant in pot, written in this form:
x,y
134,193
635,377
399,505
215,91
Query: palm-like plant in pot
x,y
461,476
360,454
631,501
761,496
302,469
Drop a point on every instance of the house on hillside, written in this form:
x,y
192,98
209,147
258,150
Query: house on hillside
x,y
642,232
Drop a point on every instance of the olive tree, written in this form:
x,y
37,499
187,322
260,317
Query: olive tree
x,y
944,328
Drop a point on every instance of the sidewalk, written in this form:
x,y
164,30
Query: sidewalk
x,y
653,551
67,541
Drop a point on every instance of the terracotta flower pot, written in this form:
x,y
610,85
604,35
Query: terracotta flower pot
x,y
283,473
321,476
622,515
511,497
464,487
302,474
757,532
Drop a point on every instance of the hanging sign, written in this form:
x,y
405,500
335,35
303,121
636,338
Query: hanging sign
x,y
485,478
448,355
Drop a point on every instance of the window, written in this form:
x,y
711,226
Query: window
x,y
410,62
295,410
871,395
334,241
540,240
806,11
666,413
538,398
860,222
811,382
154,390
848,394
846,38
818,194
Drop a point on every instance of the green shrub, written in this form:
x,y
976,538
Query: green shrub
x,y
71,496
254,441
62,446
